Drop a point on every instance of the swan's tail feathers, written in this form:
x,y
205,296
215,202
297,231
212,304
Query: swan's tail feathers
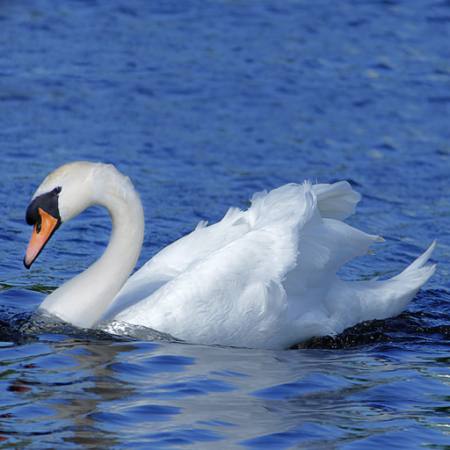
x,y
337,200
418,267
411,280
417,273
388,298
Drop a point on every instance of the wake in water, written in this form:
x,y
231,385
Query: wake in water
x,y
426,323
24,327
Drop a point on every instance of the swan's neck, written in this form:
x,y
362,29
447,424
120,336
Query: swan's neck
x,y
82,300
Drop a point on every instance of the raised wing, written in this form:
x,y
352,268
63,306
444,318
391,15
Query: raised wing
x,y
234,290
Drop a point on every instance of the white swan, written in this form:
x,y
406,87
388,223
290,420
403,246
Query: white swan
x,y
265,277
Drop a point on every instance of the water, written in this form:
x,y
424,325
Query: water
x,y
201,104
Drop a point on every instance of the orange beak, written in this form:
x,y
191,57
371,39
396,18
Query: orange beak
x,y
42,232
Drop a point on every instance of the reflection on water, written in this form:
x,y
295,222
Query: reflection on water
x,y
103,394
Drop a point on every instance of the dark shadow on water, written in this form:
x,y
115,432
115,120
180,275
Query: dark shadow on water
x,y
427,325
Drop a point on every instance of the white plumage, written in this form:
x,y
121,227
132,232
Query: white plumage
x,y
265,277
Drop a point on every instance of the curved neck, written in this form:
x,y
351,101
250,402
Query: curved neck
x,y
83,299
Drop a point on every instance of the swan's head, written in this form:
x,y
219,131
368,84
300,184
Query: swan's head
x,y
62,195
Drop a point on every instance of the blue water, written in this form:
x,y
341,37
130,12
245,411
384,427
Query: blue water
x,y
202,103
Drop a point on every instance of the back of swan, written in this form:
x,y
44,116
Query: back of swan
x,y
266,277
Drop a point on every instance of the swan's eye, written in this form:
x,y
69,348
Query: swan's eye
x,y
47,202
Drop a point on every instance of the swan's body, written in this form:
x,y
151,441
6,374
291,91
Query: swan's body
x,y
265,277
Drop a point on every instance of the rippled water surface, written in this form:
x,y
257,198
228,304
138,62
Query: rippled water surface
x,y
202,103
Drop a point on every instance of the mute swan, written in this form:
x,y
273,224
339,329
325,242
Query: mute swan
x,y
265,277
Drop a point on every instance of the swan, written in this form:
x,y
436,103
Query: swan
x,y
261,278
